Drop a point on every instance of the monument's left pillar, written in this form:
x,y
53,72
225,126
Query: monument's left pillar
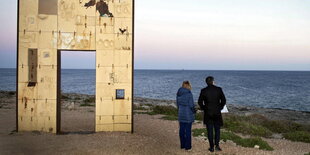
x,y
37,66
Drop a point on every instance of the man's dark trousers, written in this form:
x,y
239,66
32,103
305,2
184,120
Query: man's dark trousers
x,y
216,127
185,135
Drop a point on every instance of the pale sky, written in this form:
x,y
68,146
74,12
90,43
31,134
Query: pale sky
x,y
202,34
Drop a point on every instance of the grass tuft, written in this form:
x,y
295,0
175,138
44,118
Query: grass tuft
x,y
245,142
199,132
170,117
259,125
242,125
140,108
151,113
141,113
86,105
65,97
253,125
251,142
277,126
300,136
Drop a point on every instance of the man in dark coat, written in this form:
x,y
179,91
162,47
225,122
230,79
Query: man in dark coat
x,y
211,101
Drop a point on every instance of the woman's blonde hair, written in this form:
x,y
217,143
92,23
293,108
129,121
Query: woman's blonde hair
x,y
187,85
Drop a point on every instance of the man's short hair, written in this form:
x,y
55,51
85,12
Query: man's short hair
x,y
210,80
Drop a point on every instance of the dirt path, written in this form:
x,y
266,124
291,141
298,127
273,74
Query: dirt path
x,y
152,136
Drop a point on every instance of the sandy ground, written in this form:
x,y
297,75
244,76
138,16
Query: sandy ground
x,y
152,135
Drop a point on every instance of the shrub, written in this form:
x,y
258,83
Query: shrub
x,y
150,105
198,132
170,112
64,97
242,125
165,110
12,93
275,126
151,113
301,136
251,142
90,100
230,136
199,116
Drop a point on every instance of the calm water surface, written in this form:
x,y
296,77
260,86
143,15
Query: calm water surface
x,y
270,89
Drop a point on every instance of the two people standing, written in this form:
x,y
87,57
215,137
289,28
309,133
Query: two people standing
x,y
211,101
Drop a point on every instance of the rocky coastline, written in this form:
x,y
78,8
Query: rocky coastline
x,y
270,113
71,100
152,133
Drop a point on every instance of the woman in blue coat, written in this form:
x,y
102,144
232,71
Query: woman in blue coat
x,y
186,114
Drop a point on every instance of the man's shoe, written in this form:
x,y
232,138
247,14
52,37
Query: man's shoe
x,y
189,150
211,149
217,148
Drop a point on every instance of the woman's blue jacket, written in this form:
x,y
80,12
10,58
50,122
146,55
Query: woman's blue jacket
x,y
185,104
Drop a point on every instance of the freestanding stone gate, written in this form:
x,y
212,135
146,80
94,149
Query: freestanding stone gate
x,y
47,27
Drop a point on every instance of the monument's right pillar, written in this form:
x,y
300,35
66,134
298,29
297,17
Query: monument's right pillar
x,y
114,66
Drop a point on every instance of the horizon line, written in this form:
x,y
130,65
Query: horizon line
x,y
275,70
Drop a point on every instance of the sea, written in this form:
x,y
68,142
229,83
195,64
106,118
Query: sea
x,y
267,89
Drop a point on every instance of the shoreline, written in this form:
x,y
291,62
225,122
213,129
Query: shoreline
x,y
8,97
152,134
168,101
172,102
270,113
233,105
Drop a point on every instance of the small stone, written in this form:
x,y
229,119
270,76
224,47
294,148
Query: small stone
x,y
248,114
277,136
231,143
196,121
71,106
256,146
145,107
201,138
